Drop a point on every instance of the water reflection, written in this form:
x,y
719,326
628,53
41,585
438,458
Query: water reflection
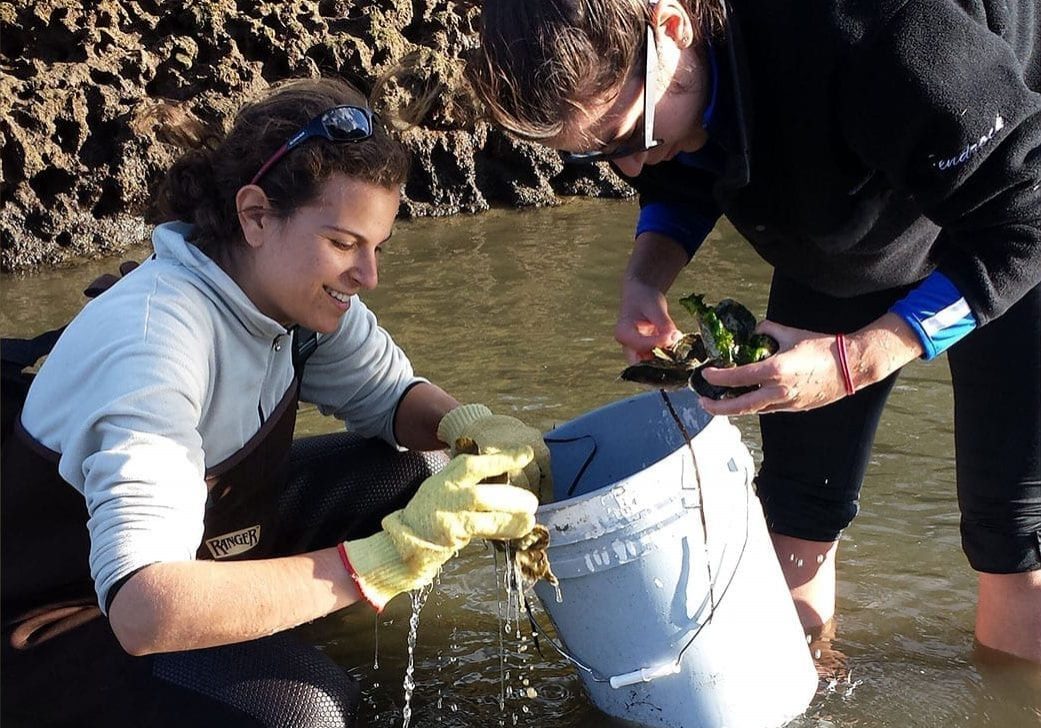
x,y
515,309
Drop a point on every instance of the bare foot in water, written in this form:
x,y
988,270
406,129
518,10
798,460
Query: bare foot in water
x,y
831,664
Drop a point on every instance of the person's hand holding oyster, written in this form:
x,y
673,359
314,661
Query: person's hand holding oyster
x,y
741,367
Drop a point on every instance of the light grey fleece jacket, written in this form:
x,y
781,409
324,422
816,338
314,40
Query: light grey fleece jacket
x,y
170,372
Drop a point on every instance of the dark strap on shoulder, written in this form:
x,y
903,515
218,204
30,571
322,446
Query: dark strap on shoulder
x,y
305,341
24,353
105,281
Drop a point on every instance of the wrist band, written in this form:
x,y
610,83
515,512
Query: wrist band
x,y
341,548
847,378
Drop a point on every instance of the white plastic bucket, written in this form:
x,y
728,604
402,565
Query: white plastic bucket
x,y
673,604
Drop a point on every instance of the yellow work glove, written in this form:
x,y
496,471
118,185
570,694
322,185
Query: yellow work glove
x,y
450,508
495,433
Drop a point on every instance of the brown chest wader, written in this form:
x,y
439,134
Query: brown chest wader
x,y
61,661
46,583
62,666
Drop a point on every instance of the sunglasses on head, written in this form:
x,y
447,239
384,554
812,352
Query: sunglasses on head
x,y
647,141
338,124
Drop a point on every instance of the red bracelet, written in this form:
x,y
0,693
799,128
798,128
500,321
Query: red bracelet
x,y
341,549
847,378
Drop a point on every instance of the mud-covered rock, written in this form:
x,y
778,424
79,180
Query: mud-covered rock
x,y
87,90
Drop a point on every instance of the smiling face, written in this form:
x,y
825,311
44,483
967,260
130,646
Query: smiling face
x,y
306,268
679,96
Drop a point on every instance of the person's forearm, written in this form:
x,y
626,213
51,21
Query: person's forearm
x,y
880,348
656,260
418,415
175,606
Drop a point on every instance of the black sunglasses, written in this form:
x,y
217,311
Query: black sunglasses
x,y
338,124
648,141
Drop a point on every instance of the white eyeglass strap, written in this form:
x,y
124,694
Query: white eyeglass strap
x,y
650,87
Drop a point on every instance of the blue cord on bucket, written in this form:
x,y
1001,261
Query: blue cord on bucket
x,y
646,674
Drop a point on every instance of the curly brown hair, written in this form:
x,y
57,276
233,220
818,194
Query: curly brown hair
x,y
201,186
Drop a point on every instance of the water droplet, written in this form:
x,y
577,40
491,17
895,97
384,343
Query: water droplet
x,y
658,583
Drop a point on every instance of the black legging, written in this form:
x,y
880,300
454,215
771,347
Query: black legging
x,y
814,462
341,487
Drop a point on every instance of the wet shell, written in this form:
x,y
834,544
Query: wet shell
x,y
737,319
529,551
669,367
726,338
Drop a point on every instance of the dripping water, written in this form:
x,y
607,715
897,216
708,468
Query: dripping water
x,y
419,598
376,643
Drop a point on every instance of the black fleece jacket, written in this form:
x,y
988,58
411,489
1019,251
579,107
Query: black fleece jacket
x,y
878,140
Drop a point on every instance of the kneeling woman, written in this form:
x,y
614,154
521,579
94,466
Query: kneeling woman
x,y
160,526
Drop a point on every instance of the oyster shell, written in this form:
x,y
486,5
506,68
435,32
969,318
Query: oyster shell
x,y
529,551
671,366
726,337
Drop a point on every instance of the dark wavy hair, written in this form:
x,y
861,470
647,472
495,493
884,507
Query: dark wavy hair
x,y
201,185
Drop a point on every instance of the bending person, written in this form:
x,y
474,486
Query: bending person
x,y
161,529
897,196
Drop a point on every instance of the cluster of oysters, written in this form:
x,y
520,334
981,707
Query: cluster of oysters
x,y
725,338
528,553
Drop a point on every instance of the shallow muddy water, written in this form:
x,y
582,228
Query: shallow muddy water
x,y
515,309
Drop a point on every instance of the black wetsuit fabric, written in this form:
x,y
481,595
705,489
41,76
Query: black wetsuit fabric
x,y
340,487
814,462
874,142
869,144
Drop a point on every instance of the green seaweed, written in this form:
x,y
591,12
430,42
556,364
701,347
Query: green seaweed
x,y
757,348
719,341
726,338
728,333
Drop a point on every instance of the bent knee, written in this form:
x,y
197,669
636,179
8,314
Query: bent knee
x,y
813,512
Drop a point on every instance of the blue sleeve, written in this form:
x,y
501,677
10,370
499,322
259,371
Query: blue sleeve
x,y
937,312
684,224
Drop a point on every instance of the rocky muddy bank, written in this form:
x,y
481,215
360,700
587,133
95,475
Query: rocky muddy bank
x,y
80,84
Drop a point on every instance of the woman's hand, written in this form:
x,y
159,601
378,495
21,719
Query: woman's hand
x,y
643,315
802,375
806,372
643,321
451,508
497,433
